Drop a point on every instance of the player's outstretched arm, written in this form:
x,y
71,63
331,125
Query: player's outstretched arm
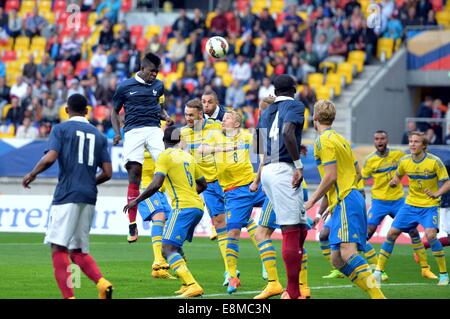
x,y
44,163
441,191
290,140
201,185
157,182
327,181
106,173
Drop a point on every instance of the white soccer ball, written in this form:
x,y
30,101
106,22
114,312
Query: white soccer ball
x,y
217,47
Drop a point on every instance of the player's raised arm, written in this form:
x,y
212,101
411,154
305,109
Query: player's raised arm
x,y
44,163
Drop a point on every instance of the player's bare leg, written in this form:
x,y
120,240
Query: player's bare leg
x,y
356,268
232,255
190,287
439,255
89,267
274,286
134,170
160,267
326,252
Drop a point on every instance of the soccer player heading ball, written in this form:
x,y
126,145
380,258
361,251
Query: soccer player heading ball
x,y
140,96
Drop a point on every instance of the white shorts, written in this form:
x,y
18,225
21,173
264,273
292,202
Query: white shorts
x,y
136,139
69,225
444,216
276,179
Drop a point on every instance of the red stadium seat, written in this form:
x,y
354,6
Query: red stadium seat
x,y
81,66
62,18
136,30
9,56
277,43
101,112
12,4
126,5
141,44
437,5
60,5
85,31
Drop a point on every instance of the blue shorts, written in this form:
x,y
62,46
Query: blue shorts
x,y
267,217
349,222
156,204
382,208
214,199
180,226
239,203
409,217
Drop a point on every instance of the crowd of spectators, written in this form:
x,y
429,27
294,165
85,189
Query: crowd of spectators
x,y
331,29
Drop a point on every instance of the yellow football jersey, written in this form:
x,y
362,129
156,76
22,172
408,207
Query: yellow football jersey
x,y
382,170
181,173
422,175
331,148
234,168
193,139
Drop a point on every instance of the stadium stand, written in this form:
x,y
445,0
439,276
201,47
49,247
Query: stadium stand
x,y
298,40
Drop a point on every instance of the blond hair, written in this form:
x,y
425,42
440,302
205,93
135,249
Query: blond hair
x,y
236,115
325,111
421,135
195,104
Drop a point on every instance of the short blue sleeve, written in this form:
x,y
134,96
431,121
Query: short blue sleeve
x,y
295,114
118,98
55,140
106,158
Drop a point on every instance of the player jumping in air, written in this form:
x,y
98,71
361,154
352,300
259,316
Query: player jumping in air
x,y
79,149
424,171
182,177
140,96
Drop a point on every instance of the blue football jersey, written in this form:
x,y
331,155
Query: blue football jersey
x,y
141,102
271,124
81,150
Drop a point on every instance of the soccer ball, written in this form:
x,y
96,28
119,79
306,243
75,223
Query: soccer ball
x,y
217,47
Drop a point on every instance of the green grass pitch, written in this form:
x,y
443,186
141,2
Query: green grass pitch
x,y
26,271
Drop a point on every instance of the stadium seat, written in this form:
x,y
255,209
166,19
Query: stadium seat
x,y
81,66
269,70
221,68
9,56
357,58
27,7
180,69
92,19
63,116
327,66
306,116
443,18
12,4
169,43
315,80
385,48
45,6
152,30
5,111
276,6
227,79
136,31
169,79
199,65
303,15
126,5
7,131
238,45
277,43
141,44
209,18
101,112
22,42
333,80
322,92
346,69
257,42
38,43
59,5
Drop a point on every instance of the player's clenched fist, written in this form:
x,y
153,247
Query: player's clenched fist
x,y
27,180
117,139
